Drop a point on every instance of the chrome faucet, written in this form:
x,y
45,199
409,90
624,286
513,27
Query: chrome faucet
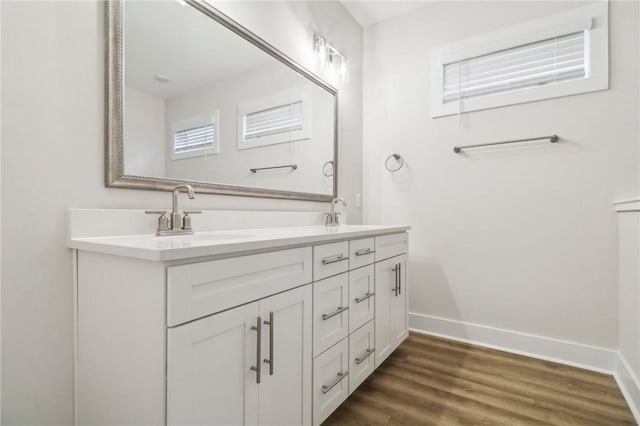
x,y
332,218
176,224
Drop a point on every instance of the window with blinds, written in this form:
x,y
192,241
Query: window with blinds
x,y
277,120
552,56
546,62
193,139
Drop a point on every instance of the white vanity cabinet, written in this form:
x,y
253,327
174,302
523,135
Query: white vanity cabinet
x,y
268,336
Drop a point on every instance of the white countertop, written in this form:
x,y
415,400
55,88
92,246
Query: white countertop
x,y
217,243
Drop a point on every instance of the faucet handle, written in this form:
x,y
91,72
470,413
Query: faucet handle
x,y
328,219
187,219
163,220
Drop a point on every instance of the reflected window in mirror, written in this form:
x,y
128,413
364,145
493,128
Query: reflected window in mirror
x,y
277,118
195,137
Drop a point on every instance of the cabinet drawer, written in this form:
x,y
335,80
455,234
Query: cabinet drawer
x,y
330,381
361,355
200,289
361,252
330,312
391,245
330,259
361,297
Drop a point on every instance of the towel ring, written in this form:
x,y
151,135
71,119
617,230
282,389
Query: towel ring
x,y
324,169
397,157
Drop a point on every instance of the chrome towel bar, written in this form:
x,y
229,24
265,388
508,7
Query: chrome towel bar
x,y
287,166
552,139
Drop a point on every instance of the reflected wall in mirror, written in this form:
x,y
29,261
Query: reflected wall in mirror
x,y
196,98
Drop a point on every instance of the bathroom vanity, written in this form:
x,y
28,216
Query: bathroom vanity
x,y
255,326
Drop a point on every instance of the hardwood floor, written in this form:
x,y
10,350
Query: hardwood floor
x,y
433,381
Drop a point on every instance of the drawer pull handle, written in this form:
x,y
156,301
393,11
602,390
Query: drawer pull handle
x,y
363,298
334,313
327,388
333,259
366,355
269,361
257,369
362,252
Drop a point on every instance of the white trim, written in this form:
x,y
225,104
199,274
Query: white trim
x,y
595,15
199,120
629,385
273,100
627,205
76,353
578,355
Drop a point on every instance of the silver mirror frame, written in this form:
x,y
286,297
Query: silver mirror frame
x,y
115,176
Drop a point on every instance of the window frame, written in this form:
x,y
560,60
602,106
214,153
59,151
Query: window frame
x,y
592,18
291,96
191,122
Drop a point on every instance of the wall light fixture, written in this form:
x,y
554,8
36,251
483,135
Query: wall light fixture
x,y
330,60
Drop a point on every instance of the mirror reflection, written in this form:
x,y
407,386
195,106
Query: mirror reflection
x,y
203,104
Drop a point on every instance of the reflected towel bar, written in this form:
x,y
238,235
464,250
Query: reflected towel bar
x,y
552,139
291,166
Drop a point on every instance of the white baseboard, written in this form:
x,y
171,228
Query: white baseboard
x,y
629,385
574,354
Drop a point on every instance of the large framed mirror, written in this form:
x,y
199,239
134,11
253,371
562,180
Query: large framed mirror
x,y
193,97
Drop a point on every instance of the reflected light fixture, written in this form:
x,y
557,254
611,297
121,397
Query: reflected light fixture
x,y
330,59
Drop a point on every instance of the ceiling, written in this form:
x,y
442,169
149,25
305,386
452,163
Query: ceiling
x,y
181,43
371,12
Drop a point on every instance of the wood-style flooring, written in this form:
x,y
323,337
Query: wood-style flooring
x,y
434,381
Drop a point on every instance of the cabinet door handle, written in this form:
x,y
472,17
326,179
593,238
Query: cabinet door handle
x,y
366,355
270,360
399,278
395,286
257,368
363,298
362,252
333,259
334,313
327,388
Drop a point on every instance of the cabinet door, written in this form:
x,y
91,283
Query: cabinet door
x,y
391,306
285,388
209,376
398,312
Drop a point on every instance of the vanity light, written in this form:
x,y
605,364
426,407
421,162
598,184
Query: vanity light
x,y
330,59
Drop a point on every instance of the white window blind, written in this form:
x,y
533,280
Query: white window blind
x,y
281,119
194,138
544,62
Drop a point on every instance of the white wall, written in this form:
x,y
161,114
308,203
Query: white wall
x,y
144,132
522,237
628,365
629,253
52,159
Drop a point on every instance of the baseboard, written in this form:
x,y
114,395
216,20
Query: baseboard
x,y
629,385
574,354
